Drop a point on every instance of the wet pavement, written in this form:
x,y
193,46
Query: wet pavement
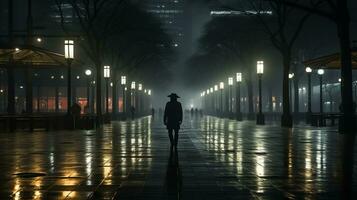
x,y
216,159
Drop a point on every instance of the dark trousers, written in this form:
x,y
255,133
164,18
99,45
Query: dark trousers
x,y
172,140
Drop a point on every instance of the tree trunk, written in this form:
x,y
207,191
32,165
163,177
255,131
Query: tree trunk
x,y
348,109
10,91
114,95
286,119
296,95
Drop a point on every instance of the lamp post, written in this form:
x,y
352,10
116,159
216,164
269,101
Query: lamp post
x,y
139,95
133,100
260,71
321,72
88,73
308,70
211,100
106,77
215,99
123,84
69,56
230,95
238,111
149,103
204,101
291,76
221,88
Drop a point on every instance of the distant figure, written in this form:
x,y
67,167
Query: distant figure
x,y
76,109
75,112
192,111
196,111
132,111
153,112
173,118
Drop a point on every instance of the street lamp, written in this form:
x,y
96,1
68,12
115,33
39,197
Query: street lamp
x,y
260,71
139,96
69,56
321,72
106,77
221,88
230,95
291,76
238,111
88,73
308,70
215,88
133,86
123,83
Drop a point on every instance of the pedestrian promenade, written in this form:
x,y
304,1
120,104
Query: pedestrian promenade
x,y
216,159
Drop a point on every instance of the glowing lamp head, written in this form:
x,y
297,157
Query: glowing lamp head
x,y
230,81
215,87
149,92
339,80
239,77
260,67
211,90
88,72
207,91
140,86
308,70
133,85
320,72
123,80
69,49
221,85
291,75
107,71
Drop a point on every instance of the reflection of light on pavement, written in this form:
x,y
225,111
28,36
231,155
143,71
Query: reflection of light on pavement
x,y
107,168
89,159
259,170
16,189
308,162
52,162
239,161
89,169
37,187
68,194
260,164
321,154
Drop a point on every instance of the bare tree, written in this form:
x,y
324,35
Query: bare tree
x,y
338,12
94,20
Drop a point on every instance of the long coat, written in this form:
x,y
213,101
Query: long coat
x,y
173,115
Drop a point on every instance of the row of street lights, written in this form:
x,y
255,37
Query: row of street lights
x,y
207,100
260,71
69,56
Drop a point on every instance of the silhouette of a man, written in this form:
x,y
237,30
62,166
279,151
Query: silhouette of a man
x,y
173,118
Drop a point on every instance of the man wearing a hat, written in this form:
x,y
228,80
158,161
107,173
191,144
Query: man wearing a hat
x,y
173,118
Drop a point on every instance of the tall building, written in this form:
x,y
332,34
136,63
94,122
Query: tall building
x,y
171,14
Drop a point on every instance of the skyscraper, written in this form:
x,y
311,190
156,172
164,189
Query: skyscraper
x,y
171,14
